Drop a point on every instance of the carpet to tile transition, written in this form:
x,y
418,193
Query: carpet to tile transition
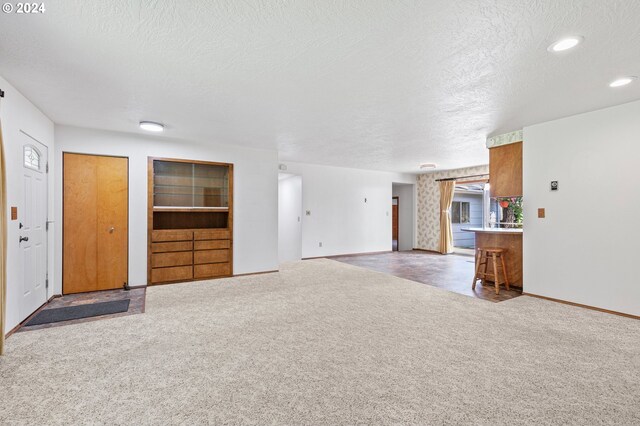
x,y
322,342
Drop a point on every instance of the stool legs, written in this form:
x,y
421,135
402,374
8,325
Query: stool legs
x,y
504,271
478,261
483,257
486,266
495,272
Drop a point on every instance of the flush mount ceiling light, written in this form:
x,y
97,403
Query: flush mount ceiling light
x,y
427,166
565,44
150,126
622,81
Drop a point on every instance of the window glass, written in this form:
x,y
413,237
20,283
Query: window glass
x,y
465,212
455,212
31,158
190,185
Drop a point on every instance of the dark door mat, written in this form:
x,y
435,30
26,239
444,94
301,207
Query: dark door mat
x,y
67,313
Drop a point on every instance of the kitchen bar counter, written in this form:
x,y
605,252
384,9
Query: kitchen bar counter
x,y
509,239
495,230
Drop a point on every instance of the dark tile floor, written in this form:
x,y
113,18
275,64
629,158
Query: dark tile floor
x,y
136,306
452,272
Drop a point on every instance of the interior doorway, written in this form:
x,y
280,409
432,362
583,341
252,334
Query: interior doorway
x,y
33,226
289,217
395,202
95,230
402,216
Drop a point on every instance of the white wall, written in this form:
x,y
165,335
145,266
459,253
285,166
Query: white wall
x,y
406,216
585,250
340,218
289,218
18,114
255,215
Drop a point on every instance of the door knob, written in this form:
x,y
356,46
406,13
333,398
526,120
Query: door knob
x,y
111,230
24,239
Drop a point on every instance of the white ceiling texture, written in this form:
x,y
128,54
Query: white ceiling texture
x,y
374,84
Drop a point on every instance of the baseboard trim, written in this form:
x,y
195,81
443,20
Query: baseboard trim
x,y
580,305
428,251
348,254
133,287
257,273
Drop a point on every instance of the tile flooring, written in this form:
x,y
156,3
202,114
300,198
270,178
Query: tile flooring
x,y
453,272
136,306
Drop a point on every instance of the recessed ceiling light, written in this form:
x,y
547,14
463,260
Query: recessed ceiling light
x,y
426,166
565,44
150,126
622,81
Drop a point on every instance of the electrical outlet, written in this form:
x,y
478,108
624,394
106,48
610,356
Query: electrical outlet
x,y
320,244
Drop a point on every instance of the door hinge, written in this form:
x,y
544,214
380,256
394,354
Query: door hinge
x,y
46,282
47,167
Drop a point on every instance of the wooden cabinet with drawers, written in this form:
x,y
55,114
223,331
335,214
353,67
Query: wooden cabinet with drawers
x,y
190,220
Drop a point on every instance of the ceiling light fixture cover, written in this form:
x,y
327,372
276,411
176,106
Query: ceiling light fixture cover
x,y
427,166
150,126
622,81
565,44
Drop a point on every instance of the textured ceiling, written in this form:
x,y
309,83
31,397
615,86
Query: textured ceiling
x,y
375,84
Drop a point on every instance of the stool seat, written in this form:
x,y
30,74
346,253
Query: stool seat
x,y
492,249
483,254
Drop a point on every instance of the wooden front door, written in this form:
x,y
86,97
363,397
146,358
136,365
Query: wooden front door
x,y
95,222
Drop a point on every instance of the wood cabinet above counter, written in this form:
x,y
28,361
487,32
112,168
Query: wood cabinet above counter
x,y
505,170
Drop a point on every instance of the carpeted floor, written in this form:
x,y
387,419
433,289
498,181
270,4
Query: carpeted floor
x,y
323,342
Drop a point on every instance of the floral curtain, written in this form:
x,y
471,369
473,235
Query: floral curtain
x,y
447,189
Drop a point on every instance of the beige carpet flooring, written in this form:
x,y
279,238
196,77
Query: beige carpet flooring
x,y
323,342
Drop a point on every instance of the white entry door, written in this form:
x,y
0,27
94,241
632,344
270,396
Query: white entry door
x,y
33,226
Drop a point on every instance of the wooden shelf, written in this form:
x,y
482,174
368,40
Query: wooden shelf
x,y
190,214
157,209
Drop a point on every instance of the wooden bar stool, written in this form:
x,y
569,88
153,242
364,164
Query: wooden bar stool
x,y
482,260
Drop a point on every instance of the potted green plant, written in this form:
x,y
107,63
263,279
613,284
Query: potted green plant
x,y
513,215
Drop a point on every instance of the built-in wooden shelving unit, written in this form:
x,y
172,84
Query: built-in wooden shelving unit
x,y
190,232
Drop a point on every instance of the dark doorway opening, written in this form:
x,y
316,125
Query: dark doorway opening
x,y
395,203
